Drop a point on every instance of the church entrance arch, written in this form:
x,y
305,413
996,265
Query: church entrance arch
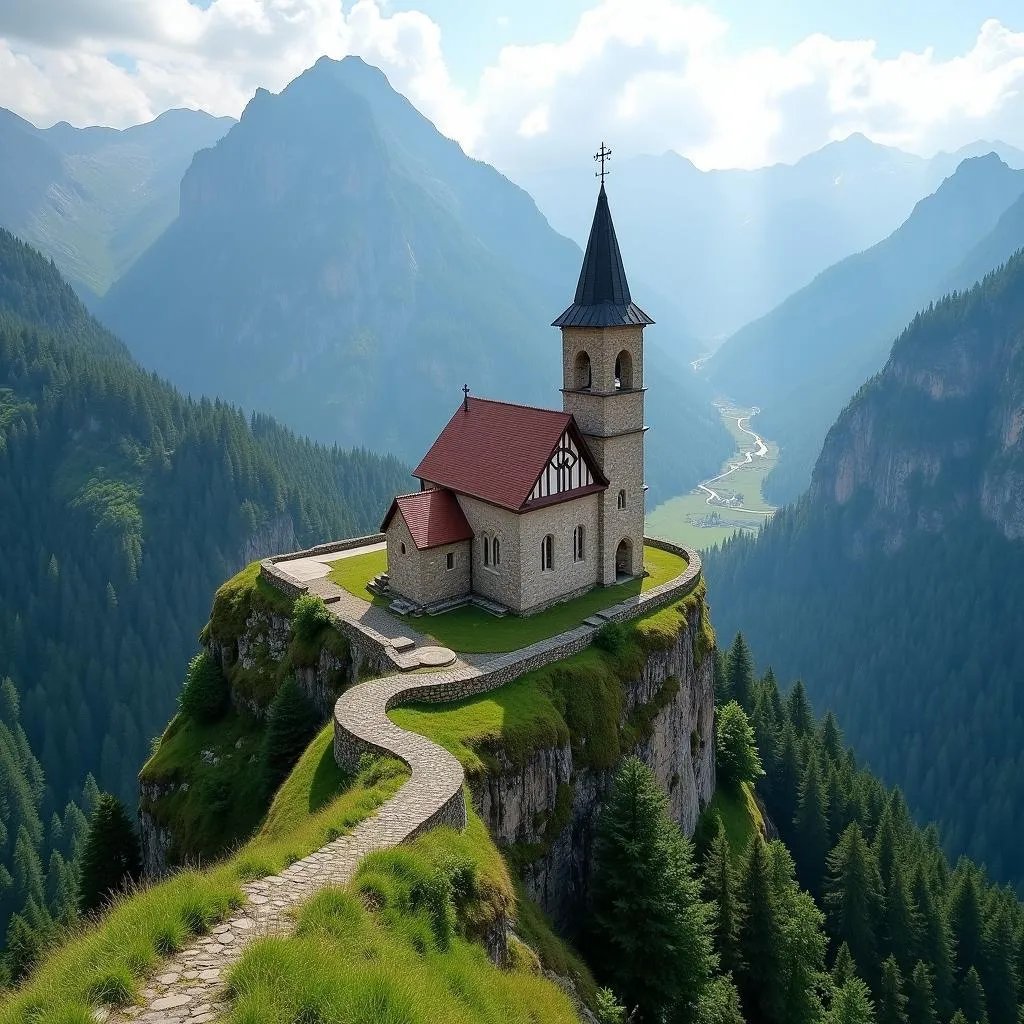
x,y
624,558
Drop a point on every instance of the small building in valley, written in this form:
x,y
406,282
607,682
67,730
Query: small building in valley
x,y
520,507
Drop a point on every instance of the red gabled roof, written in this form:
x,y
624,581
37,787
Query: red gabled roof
x,y
495,451
433,517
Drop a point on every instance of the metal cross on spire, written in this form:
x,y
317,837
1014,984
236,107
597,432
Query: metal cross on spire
x,y
602,155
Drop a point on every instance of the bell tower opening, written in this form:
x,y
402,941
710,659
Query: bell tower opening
x,y
624,371
603,388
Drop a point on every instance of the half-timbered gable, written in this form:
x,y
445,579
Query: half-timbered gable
x,y
570,468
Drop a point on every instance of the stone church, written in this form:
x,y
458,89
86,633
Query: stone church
x,y
518,507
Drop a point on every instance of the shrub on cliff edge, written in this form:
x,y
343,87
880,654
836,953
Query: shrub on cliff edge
x,y
205,695
290,724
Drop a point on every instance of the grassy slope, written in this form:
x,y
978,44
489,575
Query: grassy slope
x,y
577,700
474,631
104,961
740,815
397,946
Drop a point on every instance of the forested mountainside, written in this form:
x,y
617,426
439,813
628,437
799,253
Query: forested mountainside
x,y
803,361
894,588
340,264
124,504
95,198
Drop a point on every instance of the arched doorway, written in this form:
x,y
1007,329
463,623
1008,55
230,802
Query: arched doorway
x,y
624,558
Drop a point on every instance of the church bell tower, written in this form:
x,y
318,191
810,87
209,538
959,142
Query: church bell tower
x,y
603,387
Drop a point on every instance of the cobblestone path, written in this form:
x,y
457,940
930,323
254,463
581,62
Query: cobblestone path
x,y
188,987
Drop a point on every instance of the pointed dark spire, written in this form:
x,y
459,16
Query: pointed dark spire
x,y
602,294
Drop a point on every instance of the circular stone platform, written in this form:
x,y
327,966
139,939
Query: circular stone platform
x,y
432,657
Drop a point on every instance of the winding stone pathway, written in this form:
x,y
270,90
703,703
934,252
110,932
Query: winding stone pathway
x,y
188,987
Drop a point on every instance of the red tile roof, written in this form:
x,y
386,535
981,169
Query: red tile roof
x,y
433,517
495,451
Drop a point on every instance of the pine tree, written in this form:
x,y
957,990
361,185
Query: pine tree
x,y
723,694
810,830
921,997
998,967
205,694
892,1003
787,784
933,946
798,709
851,1004
740,671
830,738
736,757
21,948
853,900
720,1003
900,921
652,931
844,968
758,978
965,921
972,998
720,889
290,724
111,857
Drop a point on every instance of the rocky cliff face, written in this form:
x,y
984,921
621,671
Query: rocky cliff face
x,y
548,808
941,430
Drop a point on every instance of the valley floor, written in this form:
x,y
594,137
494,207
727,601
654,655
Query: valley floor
x,y
732,500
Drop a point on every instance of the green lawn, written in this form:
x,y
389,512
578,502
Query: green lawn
x,y
474,631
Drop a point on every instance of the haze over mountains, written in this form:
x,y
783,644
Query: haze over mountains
x,y
803,361
729,245
93,199
344,266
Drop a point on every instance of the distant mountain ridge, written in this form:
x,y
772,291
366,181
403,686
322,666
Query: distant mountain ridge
x,y
95,198
803,361
730,245
341,264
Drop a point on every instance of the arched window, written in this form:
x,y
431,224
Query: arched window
x,y
582,371
403,547
487,550
578,544
624,370
622,499
496,551
547,552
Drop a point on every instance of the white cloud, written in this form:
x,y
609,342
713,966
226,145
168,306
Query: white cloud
x,y
647,75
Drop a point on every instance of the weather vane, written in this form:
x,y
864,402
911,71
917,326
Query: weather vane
x,y
602,155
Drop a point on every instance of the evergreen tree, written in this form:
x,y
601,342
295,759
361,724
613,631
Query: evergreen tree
x,y
798,709
787,784
290,724
758,978
21,948
740,671
205,695
853,900
720,1003
844,968
933,946
900,921
972,998
965,920
111,858
830,739
810,830
851,1004
720,889
892,1003
736,757
998,968
921,997
652,932
723,694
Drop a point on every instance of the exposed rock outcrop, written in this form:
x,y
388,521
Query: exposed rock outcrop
x,y
548,808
